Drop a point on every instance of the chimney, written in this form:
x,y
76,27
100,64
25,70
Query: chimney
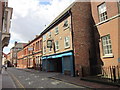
x,y
15,43
36,36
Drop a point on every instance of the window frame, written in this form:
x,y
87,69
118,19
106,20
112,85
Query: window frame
x,y
56,29
44,50
65,27
57,45
44,38
105,17
49,34
107,46
67,42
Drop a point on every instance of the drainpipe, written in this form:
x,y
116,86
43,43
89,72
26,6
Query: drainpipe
x,y
72,43
118,5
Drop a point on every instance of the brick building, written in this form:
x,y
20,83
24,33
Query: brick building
x,y
82,40
13,51
30,55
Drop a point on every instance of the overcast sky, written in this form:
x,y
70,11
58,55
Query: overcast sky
x,y
30,17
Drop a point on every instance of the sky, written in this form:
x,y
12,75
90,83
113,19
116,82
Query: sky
x,y
31,17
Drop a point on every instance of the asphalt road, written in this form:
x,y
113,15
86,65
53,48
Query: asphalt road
x,y
37,79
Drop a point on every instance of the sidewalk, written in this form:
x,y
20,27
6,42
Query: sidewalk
x,y
77,81
6,80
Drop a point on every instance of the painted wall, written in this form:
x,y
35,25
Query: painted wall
x,y
59,37
110,27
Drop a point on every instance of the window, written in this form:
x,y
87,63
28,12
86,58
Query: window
x,y
56,30
44,38
65,24
102,12
107,47
44,50
56,45
49,34
67,44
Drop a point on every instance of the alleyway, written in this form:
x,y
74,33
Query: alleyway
x,y
27,79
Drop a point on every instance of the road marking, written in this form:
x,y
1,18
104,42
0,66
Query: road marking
x,y
27,79
30,82
55,82
17,80
41,87
36,76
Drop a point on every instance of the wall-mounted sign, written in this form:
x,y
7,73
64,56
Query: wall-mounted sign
x,y
30,48
49,43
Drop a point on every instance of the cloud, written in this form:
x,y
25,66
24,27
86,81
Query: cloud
x,y
31,16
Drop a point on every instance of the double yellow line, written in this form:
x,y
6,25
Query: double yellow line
x,y
18,82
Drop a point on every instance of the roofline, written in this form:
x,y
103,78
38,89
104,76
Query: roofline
x,y
58,18
54,22
33,40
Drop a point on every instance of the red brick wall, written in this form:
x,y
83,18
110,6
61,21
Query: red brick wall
x,y
83,37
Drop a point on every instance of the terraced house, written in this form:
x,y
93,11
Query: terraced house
x,y
80,41
30,55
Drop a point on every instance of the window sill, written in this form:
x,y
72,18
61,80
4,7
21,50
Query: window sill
x,y
50,51
107,20
66,27
109,56
56,34
67,47
57,50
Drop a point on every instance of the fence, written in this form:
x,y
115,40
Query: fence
x,y
112,73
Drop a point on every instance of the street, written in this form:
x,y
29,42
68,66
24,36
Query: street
x,y
28,79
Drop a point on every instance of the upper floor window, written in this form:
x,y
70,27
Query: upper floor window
x,y
67,42
44,38
56,30
106,43
44,50
56,45
102,12
49,34
65,23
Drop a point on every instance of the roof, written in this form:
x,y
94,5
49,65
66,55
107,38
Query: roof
x,y
58,17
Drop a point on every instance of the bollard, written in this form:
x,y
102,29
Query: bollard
x,y
114,74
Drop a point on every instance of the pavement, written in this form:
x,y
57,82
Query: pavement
x,y
6,81
78,81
